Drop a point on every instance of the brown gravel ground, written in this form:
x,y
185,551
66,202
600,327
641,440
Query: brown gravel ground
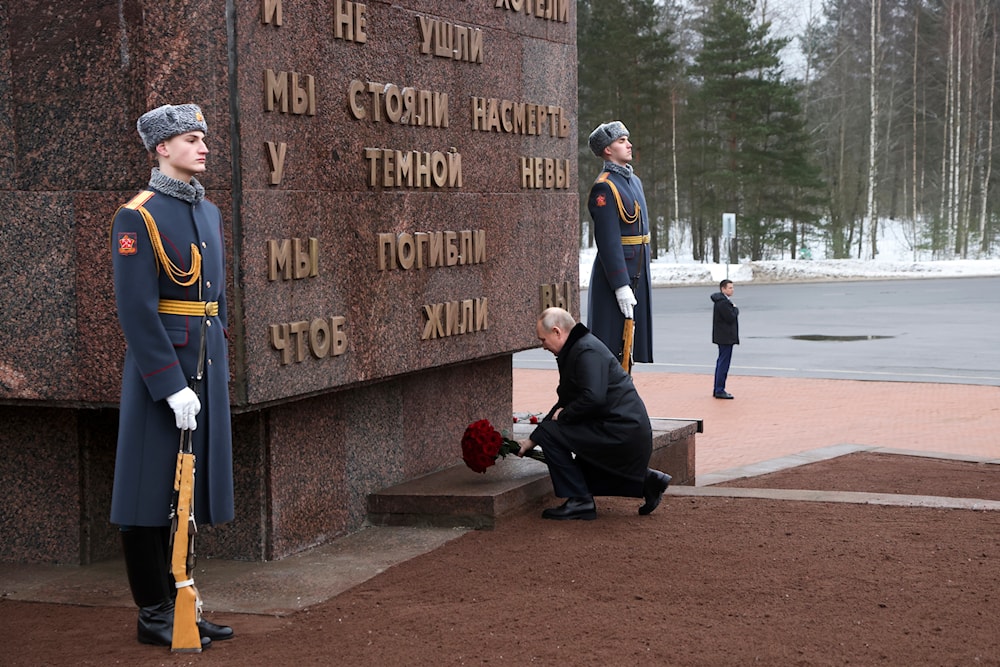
x,y
702,581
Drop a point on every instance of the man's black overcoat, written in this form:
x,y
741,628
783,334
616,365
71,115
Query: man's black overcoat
x,y
603,419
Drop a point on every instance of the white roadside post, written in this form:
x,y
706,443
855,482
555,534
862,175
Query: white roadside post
x,y
728,233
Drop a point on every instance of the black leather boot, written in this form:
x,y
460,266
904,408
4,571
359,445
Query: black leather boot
x,y
156,624
146,566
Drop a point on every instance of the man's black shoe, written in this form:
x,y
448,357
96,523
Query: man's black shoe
x,y
656,483
156,625
573,508
722,394
214,632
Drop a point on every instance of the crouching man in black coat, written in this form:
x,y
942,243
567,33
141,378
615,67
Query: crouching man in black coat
x,y
597,438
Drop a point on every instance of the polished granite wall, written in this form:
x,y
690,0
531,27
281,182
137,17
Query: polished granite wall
x,y
347,375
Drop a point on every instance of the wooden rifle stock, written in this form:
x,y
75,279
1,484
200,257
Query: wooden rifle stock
x,y
187,606
628,334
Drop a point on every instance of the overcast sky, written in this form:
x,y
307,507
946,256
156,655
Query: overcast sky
x,y
788,19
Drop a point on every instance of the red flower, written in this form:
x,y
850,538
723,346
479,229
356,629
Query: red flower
x,y
482,445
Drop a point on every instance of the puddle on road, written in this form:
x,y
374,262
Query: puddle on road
x,y
822,337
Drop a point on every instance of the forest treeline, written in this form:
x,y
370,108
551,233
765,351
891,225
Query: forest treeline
x,y
891,115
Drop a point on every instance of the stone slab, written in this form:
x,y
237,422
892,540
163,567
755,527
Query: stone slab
x,y
274,588
458,497
674,449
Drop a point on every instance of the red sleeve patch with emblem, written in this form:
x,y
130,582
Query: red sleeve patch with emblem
x,y
127,243
601,200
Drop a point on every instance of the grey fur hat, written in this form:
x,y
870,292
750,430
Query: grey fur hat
x,y
168,121
605,135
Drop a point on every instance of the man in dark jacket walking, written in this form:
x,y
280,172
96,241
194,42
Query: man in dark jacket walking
x,y
597,438
725,334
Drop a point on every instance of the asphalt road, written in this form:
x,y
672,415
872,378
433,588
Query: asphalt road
x,y
919,330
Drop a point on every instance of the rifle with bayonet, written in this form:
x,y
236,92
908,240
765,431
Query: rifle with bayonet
x,y
187,606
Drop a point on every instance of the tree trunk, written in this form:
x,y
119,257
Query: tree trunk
x,y
984,240
915,192
870,213
956,138
673,154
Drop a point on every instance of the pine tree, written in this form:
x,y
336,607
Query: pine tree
x,y
749,142
626,68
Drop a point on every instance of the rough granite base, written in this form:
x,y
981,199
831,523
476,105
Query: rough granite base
x,y
302,470
458,496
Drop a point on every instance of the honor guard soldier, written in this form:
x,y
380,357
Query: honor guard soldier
x,y
169,277
620,284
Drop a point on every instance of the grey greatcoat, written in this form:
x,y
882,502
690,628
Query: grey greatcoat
x,y
603,420
616,264
162,355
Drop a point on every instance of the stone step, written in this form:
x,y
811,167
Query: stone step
x,y
459,497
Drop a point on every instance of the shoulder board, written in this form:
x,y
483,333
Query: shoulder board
x,y
603,177
140,199
135,204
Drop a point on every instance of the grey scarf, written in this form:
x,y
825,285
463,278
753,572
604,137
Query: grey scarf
x,y
191,192
624,170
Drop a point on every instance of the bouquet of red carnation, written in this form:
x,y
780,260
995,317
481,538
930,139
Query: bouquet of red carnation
x,y
482,445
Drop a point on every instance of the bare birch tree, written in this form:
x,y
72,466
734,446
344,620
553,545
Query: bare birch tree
x,y
986,164
873,116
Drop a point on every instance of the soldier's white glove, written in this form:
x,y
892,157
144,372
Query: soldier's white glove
x,y
186,407
626,299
